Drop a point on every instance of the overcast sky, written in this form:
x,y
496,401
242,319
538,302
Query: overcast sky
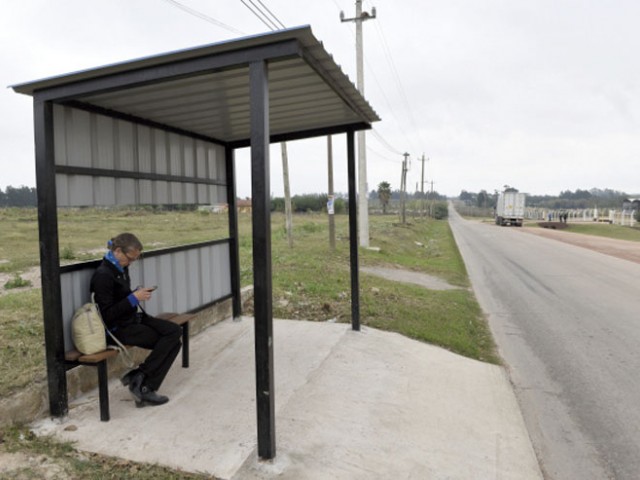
x,y
541,95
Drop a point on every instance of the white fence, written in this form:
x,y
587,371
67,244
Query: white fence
x,y
624,217
617,217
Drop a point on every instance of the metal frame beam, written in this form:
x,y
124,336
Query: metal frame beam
x,y
262,278
49,257
315,132
353,233
234,251
169,71
105,172
107,112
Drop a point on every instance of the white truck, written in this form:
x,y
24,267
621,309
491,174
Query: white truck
x,y
510,208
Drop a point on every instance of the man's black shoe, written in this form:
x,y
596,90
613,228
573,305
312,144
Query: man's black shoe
x,y
135,385
126,379
149,397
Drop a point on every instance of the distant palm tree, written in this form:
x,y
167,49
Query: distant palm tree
x,y
384,194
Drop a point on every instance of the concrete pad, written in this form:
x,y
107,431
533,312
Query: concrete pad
x,y
349,405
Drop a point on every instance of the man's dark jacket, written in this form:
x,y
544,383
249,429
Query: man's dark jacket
x,y
111,288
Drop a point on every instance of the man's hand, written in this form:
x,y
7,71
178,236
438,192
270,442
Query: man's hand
x,y
143,294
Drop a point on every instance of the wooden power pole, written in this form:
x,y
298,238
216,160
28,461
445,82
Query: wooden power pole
x,y
363,194
287,195
331,198
403,187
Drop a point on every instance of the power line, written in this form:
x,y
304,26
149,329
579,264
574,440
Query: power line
x,y
383,157
271,23
260,16
396,76
204,17
384,143
271,13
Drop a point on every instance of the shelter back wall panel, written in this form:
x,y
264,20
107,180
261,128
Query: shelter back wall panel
x,y
111,156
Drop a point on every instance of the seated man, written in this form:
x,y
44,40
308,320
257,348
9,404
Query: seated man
x,y
129,323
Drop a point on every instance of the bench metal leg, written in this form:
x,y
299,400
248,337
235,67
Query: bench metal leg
x,y
103,390
185,345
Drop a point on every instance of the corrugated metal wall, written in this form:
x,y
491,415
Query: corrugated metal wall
x,y
186,279
119,150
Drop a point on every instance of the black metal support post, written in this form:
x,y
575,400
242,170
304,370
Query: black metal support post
x,y
185,345
261,221
234,253
103,391
49,257
353,232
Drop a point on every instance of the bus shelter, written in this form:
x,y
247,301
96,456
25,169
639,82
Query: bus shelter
x,y
163,130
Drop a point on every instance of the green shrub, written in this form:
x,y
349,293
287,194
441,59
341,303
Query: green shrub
x,y
440,210
68,253
17,282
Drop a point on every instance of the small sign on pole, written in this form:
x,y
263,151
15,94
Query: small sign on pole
x,y
330,209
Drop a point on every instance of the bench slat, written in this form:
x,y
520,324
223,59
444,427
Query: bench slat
x,y
98,357
183,318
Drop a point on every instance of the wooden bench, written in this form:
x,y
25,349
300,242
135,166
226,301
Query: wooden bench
x,y
99,360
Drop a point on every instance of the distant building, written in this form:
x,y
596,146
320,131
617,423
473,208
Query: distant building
x,y
630,204
217,208
244,206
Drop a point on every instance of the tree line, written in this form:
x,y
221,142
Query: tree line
x,y
18,197
312,202
27,197
579,199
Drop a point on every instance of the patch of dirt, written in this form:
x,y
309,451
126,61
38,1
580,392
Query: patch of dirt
x,y
32,466
624,249
32,275
407,276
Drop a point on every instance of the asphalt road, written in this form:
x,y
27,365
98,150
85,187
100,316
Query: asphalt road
x,y
567,323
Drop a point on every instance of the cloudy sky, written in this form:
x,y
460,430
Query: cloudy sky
x,y
541,95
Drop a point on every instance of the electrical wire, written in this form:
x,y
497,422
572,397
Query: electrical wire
x,y
394,70
384,142
272,15
382,156
403,130
204,17
257,13
271,24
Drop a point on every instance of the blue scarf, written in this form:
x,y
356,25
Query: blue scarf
x,y
113,260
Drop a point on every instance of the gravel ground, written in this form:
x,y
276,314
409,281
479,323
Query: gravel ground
x,y
624,249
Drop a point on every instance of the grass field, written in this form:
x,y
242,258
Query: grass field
x,y
310,281
605,230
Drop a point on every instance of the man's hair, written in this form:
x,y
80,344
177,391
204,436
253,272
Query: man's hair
x,y
126,242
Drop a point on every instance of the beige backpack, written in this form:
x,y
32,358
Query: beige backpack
x,y
87,329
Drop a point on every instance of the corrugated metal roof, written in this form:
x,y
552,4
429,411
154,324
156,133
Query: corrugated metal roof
x,y
307,90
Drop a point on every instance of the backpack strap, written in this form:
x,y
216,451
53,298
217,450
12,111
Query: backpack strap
x,y
120,347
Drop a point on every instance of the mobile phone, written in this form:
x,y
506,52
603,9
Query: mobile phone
x,y
151,289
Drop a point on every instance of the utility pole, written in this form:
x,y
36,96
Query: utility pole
x,y
422,188
422,179
287,195
431,202
363,194
424,201
331,199
403,187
